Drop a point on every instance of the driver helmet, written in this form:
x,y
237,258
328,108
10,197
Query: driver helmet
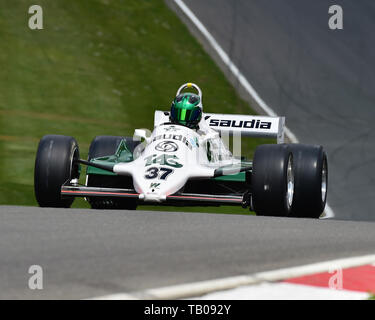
x,y
186,110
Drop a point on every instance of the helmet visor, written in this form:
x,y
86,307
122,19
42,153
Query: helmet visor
x,y
185,116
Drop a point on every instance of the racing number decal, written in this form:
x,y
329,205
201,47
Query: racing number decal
x,y
151,173
166,173
162,173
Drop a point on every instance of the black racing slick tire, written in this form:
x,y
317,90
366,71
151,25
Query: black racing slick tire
x,y
54,165
105,146
272,180
311,180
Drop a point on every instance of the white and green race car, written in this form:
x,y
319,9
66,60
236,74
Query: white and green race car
x,y
185,161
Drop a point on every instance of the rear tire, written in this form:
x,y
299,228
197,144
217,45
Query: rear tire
x,y
272,180
105,146
311,180
54,165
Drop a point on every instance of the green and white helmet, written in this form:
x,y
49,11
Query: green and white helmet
x,y
186,108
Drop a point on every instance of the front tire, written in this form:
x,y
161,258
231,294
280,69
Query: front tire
x,y
54,165
272,181
311,180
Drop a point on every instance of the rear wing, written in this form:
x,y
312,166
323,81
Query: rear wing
x,y
247,125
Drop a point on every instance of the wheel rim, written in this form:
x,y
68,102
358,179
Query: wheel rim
x,y
74,167
290,183
324,181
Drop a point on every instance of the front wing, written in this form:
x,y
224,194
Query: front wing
x,y
75,190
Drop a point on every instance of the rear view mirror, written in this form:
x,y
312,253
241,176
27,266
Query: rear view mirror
x,y
141,133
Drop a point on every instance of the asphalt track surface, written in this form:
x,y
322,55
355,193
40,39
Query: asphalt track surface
x,y
322,80
86,253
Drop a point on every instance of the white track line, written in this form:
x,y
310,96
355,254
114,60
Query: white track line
x,y
239,76
195,289
284,291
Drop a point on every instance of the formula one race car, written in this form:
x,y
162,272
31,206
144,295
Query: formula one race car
x,y
185,161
